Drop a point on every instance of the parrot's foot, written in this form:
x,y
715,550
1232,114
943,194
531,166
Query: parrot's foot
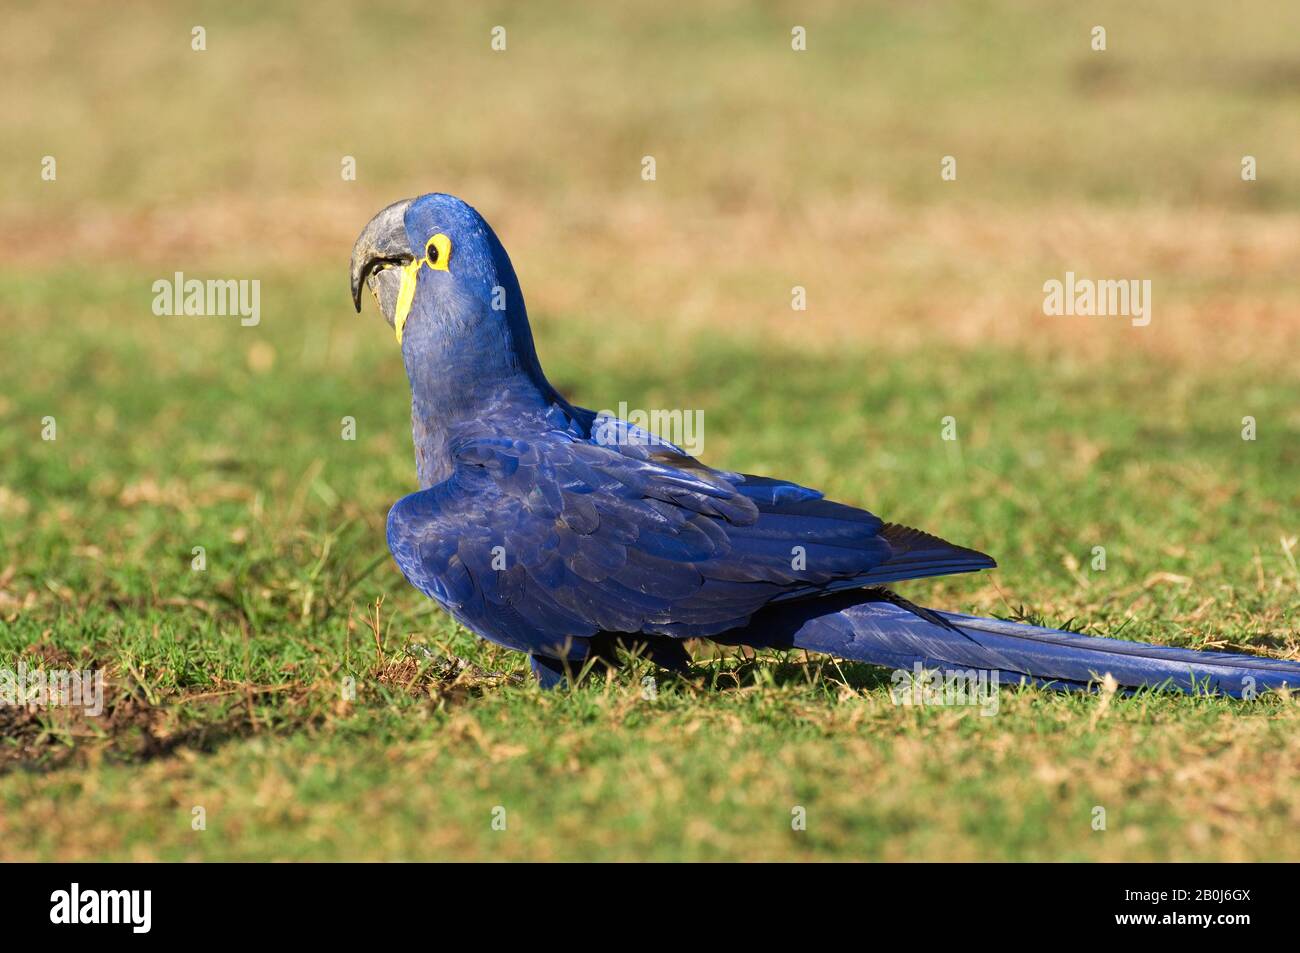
x,y
663,651
549,672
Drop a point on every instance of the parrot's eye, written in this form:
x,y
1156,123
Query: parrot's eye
x,y
437,250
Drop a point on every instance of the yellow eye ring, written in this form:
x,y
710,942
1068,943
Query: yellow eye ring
x,y
437,252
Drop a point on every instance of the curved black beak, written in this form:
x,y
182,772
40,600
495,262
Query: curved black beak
x,y
380,248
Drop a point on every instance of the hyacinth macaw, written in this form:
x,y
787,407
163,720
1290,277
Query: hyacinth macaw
x,y
562,533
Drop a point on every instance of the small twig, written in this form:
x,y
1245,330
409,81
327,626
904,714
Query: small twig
x,y
245,689
374,626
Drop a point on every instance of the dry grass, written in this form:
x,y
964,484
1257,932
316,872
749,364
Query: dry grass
x,y
1224,284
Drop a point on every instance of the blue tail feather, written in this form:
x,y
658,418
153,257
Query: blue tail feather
x,y
868,627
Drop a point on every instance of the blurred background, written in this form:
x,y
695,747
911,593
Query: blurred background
x,y
775,168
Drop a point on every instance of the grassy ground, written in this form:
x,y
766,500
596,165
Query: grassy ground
x,y
775,168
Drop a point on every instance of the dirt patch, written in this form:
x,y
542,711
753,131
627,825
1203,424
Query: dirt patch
x,y
133,728
129,728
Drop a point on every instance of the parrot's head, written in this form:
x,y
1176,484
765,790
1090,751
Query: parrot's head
x,y
432,257
445,284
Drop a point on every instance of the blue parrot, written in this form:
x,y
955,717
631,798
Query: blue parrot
x,y
563,533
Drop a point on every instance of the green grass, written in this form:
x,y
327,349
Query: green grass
x,y
226,685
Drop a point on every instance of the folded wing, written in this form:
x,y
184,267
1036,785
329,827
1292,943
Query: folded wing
x,y
541,544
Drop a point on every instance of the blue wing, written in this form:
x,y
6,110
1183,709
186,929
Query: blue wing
x,y
539,544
